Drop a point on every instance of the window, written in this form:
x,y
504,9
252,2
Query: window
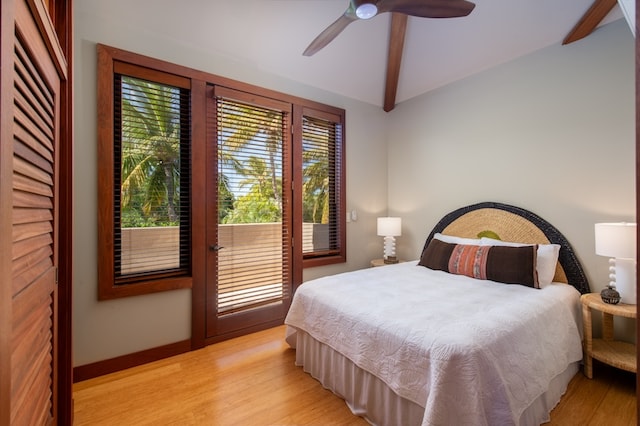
x,y
146,184
322,186
151,153
253,214
155,163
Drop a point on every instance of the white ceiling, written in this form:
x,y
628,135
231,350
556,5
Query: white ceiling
x,y
272,34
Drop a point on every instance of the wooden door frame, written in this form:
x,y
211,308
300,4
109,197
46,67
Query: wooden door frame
x,y
637,186
62,13
257,318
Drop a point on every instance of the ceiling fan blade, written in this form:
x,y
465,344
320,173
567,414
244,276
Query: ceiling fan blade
x,y
428,8
419,8
330,32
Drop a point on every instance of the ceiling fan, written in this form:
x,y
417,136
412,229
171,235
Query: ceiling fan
x,y
367,9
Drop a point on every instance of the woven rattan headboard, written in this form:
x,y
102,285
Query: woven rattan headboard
x,y
516,224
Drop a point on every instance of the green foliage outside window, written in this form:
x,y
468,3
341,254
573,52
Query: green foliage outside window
x,y
150,187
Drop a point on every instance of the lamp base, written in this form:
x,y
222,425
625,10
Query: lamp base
x,y
389,250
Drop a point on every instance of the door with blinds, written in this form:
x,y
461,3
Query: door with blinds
x,y
248,213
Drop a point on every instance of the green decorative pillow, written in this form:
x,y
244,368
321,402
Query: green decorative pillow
x,y
504,264
488,234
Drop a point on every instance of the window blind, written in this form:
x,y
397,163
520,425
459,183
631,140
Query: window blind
x,y
152,173
321,174
253,263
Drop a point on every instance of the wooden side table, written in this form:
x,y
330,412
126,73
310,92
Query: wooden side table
x,y
380,262
618,354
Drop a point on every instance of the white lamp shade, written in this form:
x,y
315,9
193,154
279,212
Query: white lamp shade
x,y
616,240
389,226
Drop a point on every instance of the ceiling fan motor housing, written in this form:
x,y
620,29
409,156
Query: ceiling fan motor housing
x,y
366,10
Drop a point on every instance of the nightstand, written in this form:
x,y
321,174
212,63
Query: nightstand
x,y
618,354
380,262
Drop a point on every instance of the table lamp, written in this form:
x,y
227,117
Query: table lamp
x,y
618,241
390,227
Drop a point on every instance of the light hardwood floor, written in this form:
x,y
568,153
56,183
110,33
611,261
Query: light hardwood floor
x,y
252,380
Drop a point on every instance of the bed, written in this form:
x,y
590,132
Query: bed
x,y
445,340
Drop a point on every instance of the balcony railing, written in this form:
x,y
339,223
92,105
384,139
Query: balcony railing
x,y
250,266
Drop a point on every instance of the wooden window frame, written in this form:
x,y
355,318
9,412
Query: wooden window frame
x,y
200,82
108,285
337,116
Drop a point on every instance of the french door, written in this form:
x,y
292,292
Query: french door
x,y
249,238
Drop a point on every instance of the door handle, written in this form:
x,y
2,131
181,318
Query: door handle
x,y
215,247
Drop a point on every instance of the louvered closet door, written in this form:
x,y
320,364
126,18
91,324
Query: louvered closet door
x,y
34,238
248,217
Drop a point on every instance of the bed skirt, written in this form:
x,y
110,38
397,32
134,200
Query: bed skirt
x,y
369,397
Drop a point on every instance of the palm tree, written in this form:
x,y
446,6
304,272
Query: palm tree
x,y
151,136
258,205
226,198
317,134
315,174
243,130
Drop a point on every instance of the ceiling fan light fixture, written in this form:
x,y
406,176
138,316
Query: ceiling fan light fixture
x,y
366,11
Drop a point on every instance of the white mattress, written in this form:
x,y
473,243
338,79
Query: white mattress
x,y
467,351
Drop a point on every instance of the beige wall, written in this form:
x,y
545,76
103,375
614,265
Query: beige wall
x,y
552,132
104,330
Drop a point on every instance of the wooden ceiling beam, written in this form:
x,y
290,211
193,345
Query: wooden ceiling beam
x,y
590,20
394,58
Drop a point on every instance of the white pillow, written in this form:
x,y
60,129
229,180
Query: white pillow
x,y
456,240
547,258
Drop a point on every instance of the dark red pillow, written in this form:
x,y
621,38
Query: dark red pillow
x,y
504,264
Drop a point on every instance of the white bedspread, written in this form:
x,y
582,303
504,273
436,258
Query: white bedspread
x,y
471,352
